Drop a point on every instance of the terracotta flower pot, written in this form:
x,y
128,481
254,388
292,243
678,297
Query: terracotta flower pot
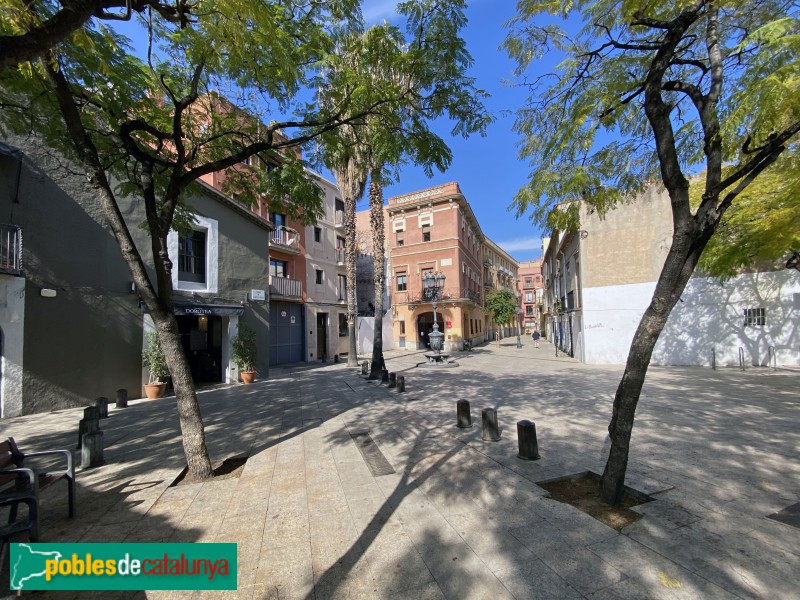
x,y
153,391
247,376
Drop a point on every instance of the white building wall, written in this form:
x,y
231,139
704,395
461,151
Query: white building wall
x,y
709,319
366,329
12,323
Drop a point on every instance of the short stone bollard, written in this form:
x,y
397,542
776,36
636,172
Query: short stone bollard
x,y
401,383
88,424
336,358
92,449
463,415
491,431
392,380
384,376
122,398
528,447
365,368
102,407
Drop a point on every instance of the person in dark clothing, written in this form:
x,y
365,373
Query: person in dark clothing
x,y
536,337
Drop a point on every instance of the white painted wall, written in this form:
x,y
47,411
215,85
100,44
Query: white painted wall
x,y
710,316
12,322
366,329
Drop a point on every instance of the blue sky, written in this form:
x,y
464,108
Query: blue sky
x,y
486,168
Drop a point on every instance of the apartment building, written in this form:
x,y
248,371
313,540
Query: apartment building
x,y
435,230
326,280
72,327
530,292
500,272
600,279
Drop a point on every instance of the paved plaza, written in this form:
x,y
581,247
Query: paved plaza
x,y
459,518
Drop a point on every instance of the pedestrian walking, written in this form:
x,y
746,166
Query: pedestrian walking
x,y
536,337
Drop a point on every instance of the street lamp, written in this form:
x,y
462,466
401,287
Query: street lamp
x,y
432,286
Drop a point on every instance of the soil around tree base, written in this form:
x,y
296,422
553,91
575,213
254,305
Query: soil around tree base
x,y
230,468
582,491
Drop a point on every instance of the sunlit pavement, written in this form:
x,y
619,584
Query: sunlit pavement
x,y
459,517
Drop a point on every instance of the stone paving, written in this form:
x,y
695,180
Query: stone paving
x,y
459,518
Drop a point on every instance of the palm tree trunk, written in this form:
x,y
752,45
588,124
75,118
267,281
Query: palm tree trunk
x,y
379,245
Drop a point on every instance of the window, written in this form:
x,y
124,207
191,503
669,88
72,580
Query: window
x,y
528,311
401,282
342,325
319,276
318,235
528,296
338,217
342,287
192,256
400,241
426,233
402,327
528,281
278,219
278,268
755,317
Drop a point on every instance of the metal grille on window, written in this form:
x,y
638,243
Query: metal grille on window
x,y
755,317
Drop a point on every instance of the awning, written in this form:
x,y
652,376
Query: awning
x,y
210,310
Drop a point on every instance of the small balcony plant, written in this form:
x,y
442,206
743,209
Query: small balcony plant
x,y
244,352
156,364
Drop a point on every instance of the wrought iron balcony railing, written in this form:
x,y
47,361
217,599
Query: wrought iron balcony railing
x,y
10,249
448,294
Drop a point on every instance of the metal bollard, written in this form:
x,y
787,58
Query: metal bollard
x,y
122,398
92,449
392,380
463,416
528,447
401,383
491,432
86,426
384,375
102,406
365,368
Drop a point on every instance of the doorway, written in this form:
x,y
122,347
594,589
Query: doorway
x,y
201,337
322,336
425,326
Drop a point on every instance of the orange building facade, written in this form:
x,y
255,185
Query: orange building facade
x,y
435,230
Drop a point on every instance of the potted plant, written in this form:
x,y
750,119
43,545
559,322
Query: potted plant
x,y
244,352
156,364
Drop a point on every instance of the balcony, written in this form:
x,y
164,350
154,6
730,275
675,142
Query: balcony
x,y
285,239
448,295
528,286
340,256
285,288
10,249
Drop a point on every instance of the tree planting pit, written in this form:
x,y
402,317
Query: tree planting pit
x,y
582,491
230,468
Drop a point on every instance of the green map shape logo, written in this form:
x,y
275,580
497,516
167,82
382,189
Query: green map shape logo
x,y
29,564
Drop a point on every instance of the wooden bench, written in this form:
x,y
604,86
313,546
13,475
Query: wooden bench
x,y
20,484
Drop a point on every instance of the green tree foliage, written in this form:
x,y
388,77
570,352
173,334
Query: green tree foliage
x,y
413,78
762,227
654,89
201,102
29,29
503,306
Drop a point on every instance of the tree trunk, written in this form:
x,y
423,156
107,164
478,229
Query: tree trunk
x,y
378,244
189,416
678,268
350,266
159,304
